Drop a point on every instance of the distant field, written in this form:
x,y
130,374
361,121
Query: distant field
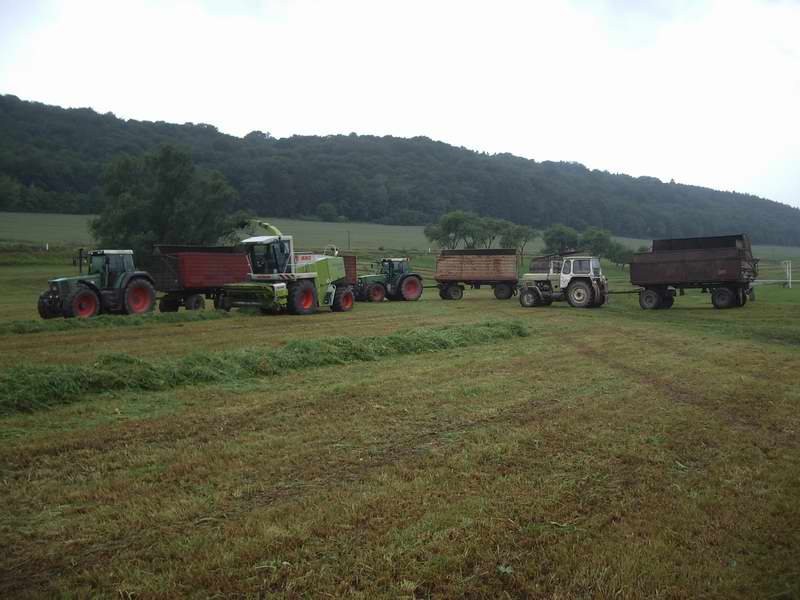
x,y
73,229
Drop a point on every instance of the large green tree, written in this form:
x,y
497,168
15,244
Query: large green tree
x,y
560,238
161,197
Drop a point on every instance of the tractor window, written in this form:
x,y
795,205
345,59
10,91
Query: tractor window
x,y
96,264
540,266
258,256
596,267
277,257
567,269
581,266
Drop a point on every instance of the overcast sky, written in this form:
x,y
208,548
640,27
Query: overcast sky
x,y
707,93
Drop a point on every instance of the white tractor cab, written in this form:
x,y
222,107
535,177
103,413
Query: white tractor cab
x,y
574,277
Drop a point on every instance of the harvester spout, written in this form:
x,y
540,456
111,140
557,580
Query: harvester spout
x,y
270,228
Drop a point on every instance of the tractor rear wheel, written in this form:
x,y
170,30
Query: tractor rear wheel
x,y
649,299
82,303
195,302
503,291
302,298
139,297
411,288
579,294
343,299
376,292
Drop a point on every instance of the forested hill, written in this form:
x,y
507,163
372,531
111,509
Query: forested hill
x,y
51,160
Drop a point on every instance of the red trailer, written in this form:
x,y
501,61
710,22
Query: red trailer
x,y
188,275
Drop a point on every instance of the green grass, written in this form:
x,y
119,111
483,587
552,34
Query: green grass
x,y
403,450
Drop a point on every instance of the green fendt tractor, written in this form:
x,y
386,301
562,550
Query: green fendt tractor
x,y
111,285
576,278
282,280
393,280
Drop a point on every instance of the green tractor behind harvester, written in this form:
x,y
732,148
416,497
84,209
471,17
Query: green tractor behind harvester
x,y
282,280
393,280
111,285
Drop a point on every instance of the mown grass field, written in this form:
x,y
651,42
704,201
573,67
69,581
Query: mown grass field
x,y
402,450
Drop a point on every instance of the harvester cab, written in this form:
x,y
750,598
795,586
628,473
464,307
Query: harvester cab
x,y
112,284
574,277
282,279
393,279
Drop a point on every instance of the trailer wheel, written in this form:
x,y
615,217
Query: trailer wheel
x,y
723,297
742,296
139,297
752,293
168,304
83,303
503,291
667,300
343,299
376,292
302,298
649,299
454,292
527,297
195,302
411,288
579,294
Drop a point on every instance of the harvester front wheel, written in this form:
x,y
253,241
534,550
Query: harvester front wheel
x,y
302,298
83,303
140,297
376,292
411,288
343,299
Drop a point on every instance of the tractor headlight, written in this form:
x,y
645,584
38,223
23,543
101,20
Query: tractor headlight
x,y
54,288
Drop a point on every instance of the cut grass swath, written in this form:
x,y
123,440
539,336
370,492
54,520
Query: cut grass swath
x,y
30,387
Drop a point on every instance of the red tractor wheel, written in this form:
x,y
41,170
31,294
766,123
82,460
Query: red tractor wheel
x,y
343,300
376,292
139,297
411,288
83,304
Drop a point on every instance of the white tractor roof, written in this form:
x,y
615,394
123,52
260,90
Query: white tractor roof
x,y
266,239
95,252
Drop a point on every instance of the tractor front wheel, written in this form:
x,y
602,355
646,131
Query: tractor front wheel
x,y
139,297
44,308
343,299
411,288
376,292
302,298
83,303
527,298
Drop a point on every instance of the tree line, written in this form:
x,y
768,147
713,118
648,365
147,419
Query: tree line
x,y
52,160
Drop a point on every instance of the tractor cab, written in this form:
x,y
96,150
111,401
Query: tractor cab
x,y
392,267
270,254
108,266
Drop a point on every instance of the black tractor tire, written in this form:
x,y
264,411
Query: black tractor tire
x,y
503,291
139,297
168,304
410,288
649,299
343,299
43,308
195,302
376,292
453,292
302,298
579,294
724,298
83,303
528,298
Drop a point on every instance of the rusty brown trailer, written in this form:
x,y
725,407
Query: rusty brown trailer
x,y
722,265
493,267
